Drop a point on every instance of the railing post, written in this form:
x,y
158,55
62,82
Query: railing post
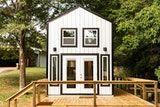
x,y
155,94
144,91
119,85
94,93
34,94
135,89
15,102
38,94
8,103
46,90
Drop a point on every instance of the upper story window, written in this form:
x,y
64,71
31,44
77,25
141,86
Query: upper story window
x,y
91,37
69,37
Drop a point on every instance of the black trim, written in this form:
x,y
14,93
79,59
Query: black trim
x,y
68,46
47,54
51,55
47,51
98,37
109,70
112,27
76,7
79,54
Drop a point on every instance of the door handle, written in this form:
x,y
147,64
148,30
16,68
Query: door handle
x,y
81,76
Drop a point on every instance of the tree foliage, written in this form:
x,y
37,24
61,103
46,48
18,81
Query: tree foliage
x,y
19,19
138,44
135,33
157,73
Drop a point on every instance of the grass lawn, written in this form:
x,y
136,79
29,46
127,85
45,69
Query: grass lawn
x,y
9,81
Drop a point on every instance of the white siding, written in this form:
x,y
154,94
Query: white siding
x,y
79,19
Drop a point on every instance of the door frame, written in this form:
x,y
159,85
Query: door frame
x,y
79,54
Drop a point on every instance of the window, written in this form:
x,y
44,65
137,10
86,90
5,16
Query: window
x,y
54,68
88,71
90,37
68,37
71,72
105,68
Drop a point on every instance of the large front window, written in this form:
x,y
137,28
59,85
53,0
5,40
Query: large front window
x,y
71,72
88,71
69,37
90,37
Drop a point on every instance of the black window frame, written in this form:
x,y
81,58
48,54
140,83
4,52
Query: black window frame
x,y
108,78
51,72
91,45
75,45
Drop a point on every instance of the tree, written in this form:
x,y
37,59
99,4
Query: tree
x,y
19,19
138,43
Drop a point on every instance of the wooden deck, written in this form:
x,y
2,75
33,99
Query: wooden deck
x,y
120,99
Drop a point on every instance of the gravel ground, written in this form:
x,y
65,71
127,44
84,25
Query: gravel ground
x,y
6,69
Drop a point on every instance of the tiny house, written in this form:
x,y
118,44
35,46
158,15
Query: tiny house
x,y
79,49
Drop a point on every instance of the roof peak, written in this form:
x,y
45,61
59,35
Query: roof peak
x,y
74,8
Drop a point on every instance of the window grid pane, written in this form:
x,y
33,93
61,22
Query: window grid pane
x,y
69,36
90,36
69,41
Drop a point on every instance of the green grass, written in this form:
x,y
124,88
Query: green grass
x,y
9,81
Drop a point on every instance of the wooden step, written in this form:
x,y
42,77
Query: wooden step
x,y
44,104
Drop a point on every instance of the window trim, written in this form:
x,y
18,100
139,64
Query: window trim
x,y
108,57
69,45
91,45
51,73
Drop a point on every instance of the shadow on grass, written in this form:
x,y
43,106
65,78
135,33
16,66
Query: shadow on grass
x,y
10,80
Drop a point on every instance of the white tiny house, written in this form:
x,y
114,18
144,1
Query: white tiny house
x,y
79,49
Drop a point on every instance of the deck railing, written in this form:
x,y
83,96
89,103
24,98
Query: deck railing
x,y
15,96
37,97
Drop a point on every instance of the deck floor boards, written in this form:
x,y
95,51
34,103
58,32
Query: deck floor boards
x,y
120,99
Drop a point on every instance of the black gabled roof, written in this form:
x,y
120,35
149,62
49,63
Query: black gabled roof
x,y
74,8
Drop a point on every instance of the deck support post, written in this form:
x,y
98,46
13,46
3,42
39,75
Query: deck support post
x,y
135,89
15,102
94,93
38,95
46,90
34,94
156,94
144,91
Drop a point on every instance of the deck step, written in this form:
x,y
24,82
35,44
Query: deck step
x,y
45,104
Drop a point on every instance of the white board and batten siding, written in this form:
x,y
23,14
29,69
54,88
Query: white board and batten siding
x,y
80,18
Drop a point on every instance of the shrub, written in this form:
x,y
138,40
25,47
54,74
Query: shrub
x,y
157,73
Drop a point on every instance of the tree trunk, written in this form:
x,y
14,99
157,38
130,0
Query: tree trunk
x,y
22,61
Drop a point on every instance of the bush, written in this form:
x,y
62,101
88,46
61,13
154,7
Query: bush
x,y
120,72
157,73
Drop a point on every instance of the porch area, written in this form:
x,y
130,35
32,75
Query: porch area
x,y
120,99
